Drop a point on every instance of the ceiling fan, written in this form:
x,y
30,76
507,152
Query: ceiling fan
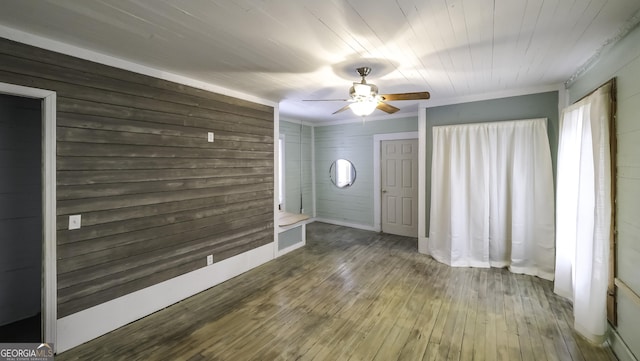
x,y
364,97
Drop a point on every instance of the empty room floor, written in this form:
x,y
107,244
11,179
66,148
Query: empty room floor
x,y
356,295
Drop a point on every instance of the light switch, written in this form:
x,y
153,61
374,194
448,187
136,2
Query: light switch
x,y
75,221
209,260
210,137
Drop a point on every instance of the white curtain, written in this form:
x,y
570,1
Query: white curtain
x,y
492,197
584,212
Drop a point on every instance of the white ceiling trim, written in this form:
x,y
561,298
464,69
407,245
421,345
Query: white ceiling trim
x,y
295,121
495,95
628,26
82,53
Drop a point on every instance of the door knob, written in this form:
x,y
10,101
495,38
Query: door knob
x,y
384,191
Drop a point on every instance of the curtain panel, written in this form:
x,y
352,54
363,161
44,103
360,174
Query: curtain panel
x,y
492,202
584,211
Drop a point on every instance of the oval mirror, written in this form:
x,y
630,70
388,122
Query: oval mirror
x,y
342,173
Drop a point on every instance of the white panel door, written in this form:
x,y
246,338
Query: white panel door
x,y
399,183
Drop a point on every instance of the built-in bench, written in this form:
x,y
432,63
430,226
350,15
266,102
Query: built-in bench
x,y
292,231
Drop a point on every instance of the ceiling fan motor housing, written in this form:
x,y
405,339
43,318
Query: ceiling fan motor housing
x,y
363,92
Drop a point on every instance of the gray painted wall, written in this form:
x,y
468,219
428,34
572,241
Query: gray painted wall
x,y
623,62
353,141
541,105
20,208
297,148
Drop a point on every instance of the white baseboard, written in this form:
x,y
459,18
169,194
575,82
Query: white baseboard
x,y
93,322
347,224
622,351
423,245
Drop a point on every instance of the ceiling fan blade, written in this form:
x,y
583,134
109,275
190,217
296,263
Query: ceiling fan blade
x,y
341,109
388,108
325,100
406,96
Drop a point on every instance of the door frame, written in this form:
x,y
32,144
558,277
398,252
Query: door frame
x,y
48,171
377,187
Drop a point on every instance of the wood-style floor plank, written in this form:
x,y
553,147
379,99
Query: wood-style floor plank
x,y
491,346
356,295
480,327
513,339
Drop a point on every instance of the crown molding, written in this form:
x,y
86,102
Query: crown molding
x,y
624,30
494,95
97,57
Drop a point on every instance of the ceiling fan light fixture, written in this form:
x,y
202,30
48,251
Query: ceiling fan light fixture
x,y
362,90
363,108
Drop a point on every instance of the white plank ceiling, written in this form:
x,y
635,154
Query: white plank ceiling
x,y
289,50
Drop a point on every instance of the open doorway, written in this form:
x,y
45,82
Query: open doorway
x,y
27,215
20,219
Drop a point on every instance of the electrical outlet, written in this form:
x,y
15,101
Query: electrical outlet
x,y
75,221
209,260
210,137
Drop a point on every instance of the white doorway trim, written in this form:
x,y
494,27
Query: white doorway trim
x,y
423,239
49,293
377,138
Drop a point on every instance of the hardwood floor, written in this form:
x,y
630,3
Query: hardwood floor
x,y
356,295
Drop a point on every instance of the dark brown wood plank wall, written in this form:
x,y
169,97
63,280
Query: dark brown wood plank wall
x,y
133,159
